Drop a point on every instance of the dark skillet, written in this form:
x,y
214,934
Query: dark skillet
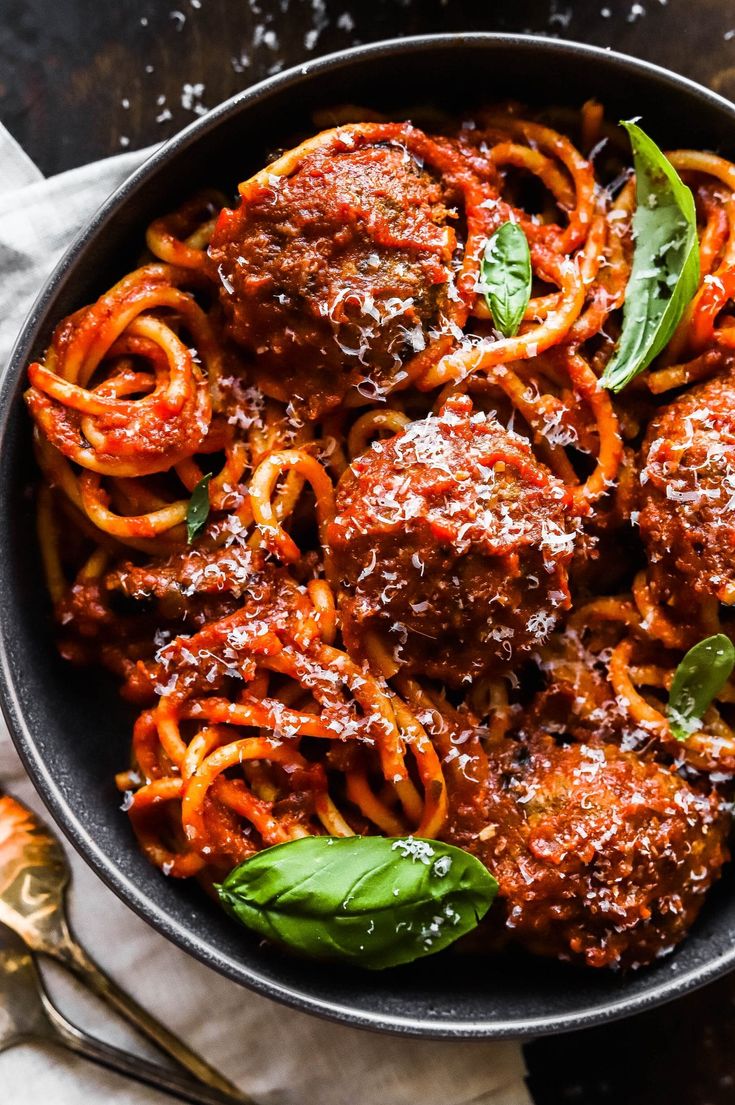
x,y
72,730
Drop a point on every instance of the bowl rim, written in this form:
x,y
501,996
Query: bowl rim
x,y
48,788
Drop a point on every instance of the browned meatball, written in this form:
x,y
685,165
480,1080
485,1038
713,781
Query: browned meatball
x,y
601,857
333,276
452,542
687,516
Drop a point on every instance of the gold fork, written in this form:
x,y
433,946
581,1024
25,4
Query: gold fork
x,y
27,1014
34,875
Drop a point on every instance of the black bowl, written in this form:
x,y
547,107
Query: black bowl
x,y
71,728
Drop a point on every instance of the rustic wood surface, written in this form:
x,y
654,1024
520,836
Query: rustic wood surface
x,y
80,79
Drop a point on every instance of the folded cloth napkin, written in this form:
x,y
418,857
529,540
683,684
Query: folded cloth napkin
x,y
281,1057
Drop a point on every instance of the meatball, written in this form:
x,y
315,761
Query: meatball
x,y
333,275
601,857
452,544
687,516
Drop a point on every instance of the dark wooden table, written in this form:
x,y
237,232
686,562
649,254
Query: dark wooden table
x,y
80,79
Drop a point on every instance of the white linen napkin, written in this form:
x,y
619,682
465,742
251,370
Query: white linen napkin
x,y
279,1056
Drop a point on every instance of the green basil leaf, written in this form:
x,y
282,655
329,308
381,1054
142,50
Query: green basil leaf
x,y
505,277
369,900
198,512
665,272
698,679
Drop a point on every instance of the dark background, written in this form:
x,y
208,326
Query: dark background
x,y
80,79
84,78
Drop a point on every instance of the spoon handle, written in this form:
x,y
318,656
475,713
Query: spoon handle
x,y
84,967
132,1066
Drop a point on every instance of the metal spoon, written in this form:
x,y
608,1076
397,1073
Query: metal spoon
x,y
34,875
27,1014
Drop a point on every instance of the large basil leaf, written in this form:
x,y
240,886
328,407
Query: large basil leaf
x,y
198,511
372,901
665,272
699,678
505,277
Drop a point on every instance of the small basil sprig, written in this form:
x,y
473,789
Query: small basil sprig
x,y
506,276
372,901
665,272
699,678
198,511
